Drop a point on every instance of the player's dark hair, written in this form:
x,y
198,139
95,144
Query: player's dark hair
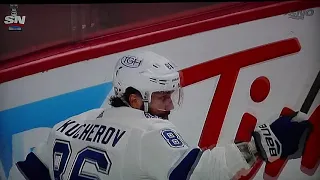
x,y
115,101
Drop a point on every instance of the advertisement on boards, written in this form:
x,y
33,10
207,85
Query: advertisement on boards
x,y
234,78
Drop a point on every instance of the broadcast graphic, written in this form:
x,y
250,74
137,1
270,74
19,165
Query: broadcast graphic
x,y
15,22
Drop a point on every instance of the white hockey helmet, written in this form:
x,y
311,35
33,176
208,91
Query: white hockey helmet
x,y
148,73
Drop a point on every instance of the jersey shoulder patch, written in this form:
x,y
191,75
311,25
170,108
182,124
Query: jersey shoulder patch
x,y
173,138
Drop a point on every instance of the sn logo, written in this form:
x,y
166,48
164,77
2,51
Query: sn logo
x,y
15,20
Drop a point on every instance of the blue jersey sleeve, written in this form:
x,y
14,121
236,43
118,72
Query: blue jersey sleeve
x,y
32,168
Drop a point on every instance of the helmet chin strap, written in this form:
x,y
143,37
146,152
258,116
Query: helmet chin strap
x,y
145,101
146,105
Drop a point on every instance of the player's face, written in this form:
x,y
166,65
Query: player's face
x,y
161,104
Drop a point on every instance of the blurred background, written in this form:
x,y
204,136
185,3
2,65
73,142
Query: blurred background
x,y
50,25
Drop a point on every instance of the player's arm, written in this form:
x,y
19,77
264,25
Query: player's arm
x,y
229,161
37,163
269,142
33,167
283,138
165,155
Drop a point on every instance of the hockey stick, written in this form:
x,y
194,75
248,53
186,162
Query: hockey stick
x,y
311,95
308,101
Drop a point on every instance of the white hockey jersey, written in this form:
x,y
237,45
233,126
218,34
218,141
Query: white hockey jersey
x,y
124,144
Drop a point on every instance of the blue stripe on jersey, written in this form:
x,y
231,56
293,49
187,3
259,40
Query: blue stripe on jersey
x,y
33,169
184,168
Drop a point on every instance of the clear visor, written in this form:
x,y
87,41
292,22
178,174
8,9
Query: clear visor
x,y
167,100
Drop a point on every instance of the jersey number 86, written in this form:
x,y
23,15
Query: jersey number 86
x,y
61,156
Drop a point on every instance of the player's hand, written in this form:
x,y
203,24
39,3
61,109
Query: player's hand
x,y
284,138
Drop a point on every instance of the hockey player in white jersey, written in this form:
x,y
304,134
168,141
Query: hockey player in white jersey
x,y
134,139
